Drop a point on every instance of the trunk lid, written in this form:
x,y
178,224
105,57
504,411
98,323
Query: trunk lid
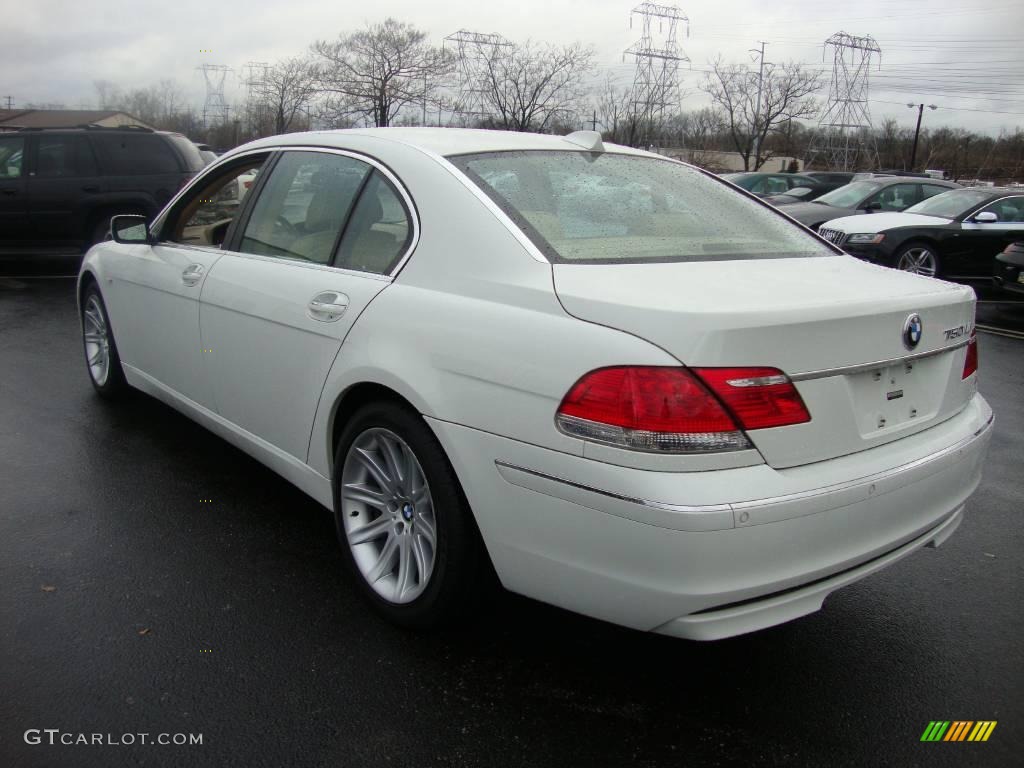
x,y
833,324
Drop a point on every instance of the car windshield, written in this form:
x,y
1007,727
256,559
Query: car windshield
x,y
849,196
950,205
582,207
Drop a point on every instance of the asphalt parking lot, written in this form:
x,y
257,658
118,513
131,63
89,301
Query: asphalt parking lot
x,y
153,579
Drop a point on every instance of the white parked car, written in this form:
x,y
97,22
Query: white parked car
x,y
690,415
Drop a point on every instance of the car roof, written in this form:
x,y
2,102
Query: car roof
x,y
133,129
890,180
441,141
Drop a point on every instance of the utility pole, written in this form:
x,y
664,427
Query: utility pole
x,y
917,131
8,103
757,110
593,122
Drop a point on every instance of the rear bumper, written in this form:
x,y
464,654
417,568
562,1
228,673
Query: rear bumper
x,y
706,555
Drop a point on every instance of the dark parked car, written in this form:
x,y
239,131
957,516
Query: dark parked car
x,y
60,186
885,194
764,184
824,181
956,234
1009,269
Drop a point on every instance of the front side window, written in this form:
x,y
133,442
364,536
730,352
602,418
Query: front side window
x,y
587,208
304,205
204,215
1008,210
12,150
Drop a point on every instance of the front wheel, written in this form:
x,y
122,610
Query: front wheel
x,y
101,356
406,530
919,258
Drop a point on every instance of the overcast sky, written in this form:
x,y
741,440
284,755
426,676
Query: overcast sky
x,y
966,60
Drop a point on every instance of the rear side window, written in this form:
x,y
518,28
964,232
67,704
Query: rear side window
x,y
897,197
59,156
128,154
378,233
931,190
587,208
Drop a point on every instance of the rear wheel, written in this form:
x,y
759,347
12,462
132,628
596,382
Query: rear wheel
x,y
919,258
101,357
404,526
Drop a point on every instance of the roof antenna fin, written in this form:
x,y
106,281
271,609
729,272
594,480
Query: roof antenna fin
x,y
589,140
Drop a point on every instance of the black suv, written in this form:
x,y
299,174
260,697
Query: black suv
x,y
60,186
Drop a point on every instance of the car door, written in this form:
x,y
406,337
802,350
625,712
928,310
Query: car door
x,y
64,178
14,227
979,242
153,290
319,243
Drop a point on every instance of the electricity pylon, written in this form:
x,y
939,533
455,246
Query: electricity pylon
x,y
845,140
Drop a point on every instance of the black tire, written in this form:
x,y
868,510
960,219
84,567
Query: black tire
x,y
907,252
461,571
100,229
113,385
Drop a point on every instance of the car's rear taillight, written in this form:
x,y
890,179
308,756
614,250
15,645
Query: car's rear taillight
x,y
758,397
971,361
675,410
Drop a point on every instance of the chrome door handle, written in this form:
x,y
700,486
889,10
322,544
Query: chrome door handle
x,y
193,274
327,306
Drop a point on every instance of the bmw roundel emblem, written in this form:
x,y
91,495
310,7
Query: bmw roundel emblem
x,y
912,330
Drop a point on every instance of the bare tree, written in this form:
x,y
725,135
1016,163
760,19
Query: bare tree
x,y
285,90
616,112
108,95
373,74
530,87
786,93
159,105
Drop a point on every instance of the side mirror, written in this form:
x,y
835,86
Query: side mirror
x,y
986,217
875,206
131,230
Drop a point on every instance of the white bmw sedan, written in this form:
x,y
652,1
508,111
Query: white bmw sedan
x,y
615,381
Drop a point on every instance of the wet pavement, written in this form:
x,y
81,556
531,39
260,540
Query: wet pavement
x,y
155,580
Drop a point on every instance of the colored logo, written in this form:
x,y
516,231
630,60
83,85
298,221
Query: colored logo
x,y
912,330
958,730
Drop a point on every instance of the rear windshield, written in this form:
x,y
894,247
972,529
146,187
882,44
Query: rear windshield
x,y
588,208
193,157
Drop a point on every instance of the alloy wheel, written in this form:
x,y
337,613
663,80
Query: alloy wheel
x,y
97,340
919,260
388,515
